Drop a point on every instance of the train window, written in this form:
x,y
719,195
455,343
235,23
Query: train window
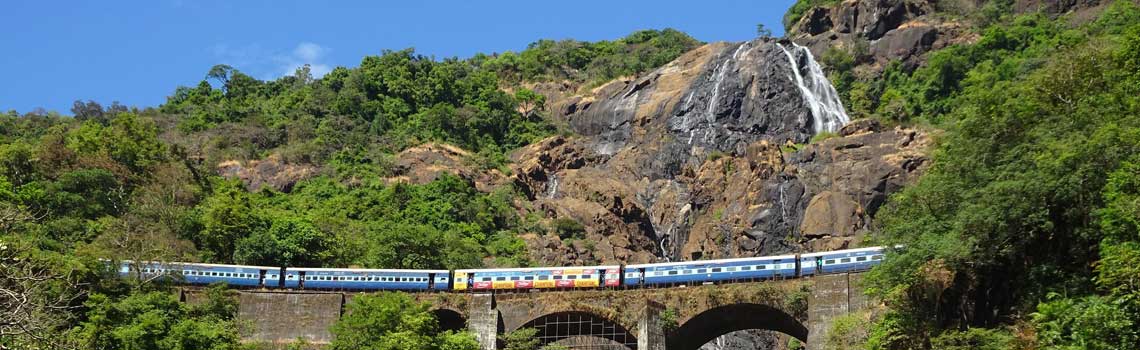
x,y
876,257
700,270
688,272
558,277
674,272
761,267
514,278
500,278
730,269
543,278
861,258
528,278
745,268
573,277
845,260
829,262
716,269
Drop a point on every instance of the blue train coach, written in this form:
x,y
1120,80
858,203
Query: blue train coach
x,y
840,261
201,274
710,270
366,279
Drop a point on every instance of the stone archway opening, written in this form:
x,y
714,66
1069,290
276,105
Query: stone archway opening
x,y
450,320
581,330
718,321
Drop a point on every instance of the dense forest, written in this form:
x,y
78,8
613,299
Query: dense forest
x,y
1023,234
141,184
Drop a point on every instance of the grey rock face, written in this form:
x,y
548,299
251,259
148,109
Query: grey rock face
x,y
692,161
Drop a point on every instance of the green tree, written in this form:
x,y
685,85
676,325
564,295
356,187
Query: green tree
x,y
521,339
153,321
763,31
530,101
287,242
225,218
392,320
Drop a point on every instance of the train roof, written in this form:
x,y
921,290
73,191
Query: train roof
x,y
517,269
691,262
178,263
331,269
857,250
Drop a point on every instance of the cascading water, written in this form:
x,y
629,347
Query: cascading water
x,y
553,186
826,110
718,78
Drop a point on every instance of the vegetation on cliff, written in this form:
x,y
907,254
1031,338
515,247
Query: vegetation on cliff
x,y
1024,232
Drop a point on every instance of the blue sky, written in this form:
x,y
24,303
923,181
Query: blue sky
x,y
137,52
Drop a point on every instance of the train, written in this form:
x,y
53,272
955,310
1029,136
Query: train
x,y
513,279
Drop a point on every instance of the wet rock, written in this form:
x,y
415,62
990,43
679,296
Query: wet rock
x,y
698,159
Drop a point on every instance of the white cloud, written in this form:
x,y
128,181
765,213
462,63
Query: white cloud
x,y
272,64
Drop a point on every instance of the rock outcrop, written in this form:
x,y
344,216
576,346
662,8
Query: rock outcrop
x,y
423,164
271,171
885,30
705,158
881,31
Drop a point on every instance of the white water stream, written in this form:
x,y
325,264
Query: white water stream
x,y
826,110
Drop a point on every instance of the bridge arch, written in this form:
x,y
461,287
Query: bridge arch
x,y
449,320
718,321
558,326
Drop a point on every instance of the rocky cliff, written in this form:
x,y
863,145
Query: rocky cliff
x,y
882,31
706,158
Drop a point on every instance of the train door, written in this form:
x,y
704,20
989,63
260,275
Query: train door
x,y
431,280
640,276
819,265
261,278
601,277
300,279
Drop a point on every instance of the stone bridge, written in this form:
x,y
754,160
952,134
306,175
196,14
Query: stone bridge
x,y
675,318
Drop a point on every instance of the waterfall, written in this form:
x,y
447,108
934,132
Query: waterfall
x,y
826,110
553,186
718,78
